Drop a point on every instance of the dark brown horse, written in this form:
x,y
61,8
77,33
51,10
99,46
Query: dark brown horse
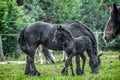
x,y
112,29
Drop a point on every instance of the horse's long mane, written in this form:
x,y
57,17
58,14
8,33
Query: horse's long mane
x,y
92,37
116,19
68,32
87,28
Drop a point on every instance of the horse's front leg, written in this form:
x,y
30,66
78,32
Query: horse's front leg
x,y
67,63
84,60
65,69
78,68
71,66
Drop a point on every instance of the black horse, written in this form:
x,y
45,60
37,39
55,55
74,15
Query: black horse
x,y
75,47
42,33
112,28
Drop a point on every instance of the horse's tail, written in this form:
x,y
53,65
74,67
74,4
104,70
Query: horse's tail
x,y
22,42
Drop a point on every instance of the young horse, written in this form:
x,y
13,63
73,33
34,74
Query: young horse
x,y
76,46
112,28
41,33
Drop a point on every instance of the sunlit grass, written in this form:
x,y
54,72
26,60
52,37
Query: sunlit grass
x,y
109,70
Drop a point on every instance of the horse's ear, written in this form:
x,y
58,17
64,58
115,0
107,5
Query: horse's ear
x,y
114,7
58,27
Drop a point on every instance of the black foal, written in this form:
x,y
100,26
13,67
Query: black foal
x,y
75,47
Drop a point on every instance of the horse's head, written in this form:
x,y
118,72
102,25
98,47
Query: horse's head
x,y
57,35
61,34
95,63
112,28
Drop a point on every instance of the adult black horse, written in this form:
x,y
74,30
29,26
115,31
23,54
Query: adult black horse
x,y
42,33
112,28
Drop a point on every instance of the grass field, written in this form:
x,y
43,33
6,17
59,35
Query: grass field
x,y
109,70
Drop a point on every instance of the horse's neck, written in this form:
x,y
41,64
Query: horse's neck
x,y
68,42
93,57
70,37
118,32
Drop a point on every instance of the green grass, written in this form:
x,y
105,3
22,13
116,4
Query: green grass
x,y
109,70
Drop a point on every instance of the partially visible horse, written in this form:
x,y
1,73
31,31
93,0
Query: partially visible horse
x,y
41,33
112,28
47,57
75,47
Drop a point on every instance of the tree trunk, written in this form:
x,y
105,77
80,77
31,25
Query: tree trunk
x,y
1,51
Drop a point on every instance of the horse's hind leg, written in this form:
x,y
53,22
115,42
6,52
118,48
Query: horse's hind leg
x,y
27,70
32,65
84,60
48,55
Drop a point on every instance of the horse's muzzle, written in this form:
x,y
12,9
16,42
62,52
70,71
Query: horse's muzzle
x,y
109,38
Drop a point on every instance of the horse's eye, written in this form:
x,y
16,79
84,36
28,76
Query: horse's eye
x,y
108,29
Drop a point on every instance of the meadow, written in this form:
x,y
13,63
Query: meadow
x,y
109,70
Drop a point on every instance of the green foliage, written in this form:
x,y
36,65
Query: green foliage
x,y
12,19
55,11
93,13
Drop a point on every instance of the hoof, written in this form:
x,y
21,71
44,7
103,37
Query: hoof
x,y
79,73
64,71
63,60
82,73
73,74
35,73
27,73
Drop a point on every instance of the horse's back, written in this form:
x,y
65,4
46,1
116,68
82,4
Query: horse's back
x,y
83,41
38,25
86,31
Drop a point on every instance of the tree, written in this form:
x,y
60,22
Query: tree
x,y
1,51
55,11
93,13
12,19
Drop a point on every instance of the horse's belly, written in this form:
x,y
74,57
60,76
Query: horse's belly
x,y
53,47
